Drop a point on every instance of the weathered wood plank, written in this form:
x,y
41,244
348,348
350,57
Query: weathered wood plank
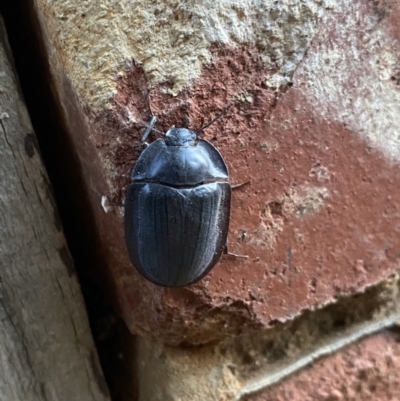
x,y
46,348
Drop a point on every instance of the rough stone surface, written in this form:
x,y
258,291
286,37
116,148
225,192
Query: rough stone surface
x,y
359,88
367,370
320,218
241,366
171,39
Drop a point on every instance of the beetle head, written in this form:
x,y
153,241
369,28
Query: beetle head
x,y
180,137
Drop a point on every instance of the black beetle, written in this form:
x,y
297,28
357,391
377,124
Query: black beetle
x,y
177,208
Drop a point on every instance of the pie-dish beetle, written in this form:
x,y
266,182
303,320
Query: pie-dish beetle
x,y
177,208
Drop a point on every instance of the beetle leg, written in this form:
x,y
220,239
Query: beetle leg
x,y
240,185
226,252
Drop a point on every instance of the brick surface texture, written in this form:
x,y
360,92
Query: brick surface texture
x,y
368,370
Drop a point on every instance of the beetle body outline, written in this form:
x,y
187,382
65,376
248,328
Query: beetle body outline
x,y
177,209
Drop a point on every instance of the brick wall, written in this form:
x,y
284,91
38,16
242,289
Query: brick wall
x,y
314,129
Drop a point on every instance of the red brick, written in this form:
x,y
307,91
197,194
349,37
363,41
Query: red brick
x,y
367,370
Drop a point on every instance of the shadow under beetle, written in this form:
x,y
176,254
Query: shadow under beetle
x,y
177,208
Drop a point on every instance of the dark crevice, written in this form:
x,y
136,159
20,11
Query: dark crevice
x,y
61,161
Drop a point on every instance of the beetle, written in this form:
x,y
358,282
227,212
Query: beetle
x,y
177,208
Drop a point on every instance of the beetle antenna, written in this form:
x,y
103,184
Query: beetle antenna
x,y
150,125
223,112
149,128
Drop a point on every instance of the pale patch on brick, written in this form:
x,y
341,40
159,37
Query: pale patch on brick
x,y
297,202
321,173
305,200
349,74
96,41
